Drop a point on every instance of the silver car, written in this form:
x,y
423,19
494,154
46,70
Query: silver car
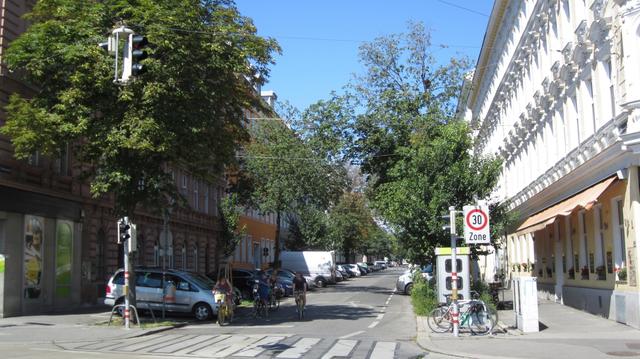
x,y
404,284
184,292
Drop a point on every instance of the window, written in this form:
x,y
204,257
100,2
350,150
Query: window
x,y
619,235
196,199
184,181
612,97
149,279
206,199
62,162
156,254
195,258
591,102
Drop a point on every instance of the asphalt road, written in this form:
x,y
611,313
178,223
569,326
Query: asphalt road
x,y
359,318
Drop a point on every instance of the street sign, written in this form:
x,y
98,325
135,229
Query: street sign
x,y
476,224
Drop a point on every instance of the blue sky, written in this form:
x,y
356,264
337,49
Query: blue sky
x,y
320,38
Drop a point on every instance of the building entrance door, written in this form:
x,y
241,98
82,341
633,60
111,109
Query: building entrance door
x,y
33,264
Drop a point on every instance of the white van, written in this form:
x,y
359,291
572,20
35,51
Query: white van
x,y
320,266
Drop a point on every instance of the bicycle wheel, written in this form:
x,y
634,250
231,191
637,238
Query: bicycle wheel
x,y
483,319
221,314
439,320
300,305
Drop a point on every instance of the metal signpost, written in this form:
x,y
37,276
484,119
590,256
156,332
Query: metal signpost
x,y
455,313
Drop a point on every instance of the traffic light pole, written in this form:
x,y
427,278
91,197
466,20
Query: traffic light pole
x,y
455,313
126,278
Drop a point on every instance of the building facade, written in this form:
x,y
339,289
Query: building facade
x,y
58,245
556,94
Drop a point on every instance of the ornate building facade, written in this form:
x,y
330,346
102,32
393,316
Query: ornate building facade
x,y
556,94
58,245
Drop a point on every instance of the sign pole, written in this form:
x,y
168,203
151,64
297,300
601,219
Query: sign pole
x,y
126,278
455,313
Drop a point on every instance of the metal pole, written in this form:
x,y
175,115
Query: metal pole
x,y
454,273
165,219
126,279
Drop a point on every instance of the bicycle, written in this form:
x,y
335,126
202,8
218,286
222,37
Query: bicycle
x,y
259,306
274,301
300,304
474,314
225,312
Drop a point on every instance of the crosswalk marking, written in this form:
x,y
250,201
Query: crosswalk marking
x,y
244,346
188,343
148,343
258,347
219,349
299,348
383,350
341,348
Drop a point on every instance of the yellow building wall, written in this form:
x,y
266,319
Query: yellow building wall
x,y
257,231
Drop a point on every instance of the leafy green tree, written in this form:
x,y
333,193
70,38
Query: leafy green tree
x,y
401,126
185,111
350,223
231,234
285,175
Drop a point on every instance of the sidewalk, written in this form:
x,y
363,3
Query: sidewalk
x,y
565,333
86,324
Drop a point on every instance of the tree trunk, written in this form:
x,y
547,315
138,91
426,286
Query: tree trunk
x,y
276,250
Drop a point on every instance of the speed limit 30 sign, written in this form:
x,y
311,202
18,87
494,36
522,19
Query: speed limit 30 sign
x,y
476,224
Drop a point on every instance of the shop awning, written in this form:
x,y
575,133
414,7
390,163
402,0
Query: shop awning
x,y
585,199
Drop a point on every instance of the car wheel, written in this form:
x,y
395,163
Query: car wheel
x,y
408,288
202,311
321,282
120,310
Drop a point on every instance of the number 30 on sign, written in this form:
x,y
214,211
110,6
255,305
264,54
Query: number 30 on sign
x,y
476,224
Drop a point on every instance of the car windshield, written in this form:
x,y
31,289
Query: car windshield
x,y
200,282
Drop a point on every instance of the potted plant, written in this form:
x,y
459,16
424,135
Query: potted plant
x,y
584,273
572,273
622,274
600,271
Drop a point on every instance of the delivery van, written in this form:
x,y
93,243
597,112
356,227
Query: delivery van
x,y
320,266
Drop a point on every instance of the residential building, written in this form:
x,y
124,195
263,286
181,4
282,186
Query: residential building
x,y
58,244
556,94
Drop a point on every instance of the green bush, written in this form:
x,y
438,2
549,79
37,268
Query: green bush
x,y
485,294
423,296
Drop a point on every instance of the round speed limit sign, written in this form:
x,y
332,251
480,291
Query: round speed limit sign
x,y
476,224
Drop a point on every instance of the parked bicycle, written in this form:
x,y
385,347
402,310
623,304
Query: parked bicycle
x,y
474,314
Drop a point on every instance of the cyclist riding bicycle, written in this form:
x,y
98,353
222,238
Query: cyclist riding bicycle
x,y
264,289
300,287
223,286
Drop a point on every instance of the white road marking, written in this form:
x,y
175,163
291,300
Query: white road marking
x,y
212,340
380,316
162,339
372,325
299,348
352,334
341,348
189,343
214,349
258,347
228,351
216,326
383,350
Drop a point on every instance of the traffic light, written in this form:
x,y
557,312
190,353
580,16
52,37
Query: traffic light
x,y
124,231
138,42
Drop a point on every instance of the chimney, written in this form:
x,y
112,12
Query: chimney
x,y
269,97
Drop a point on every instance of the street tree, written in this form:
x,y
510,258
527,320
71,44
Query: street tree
x,y
284,175
402,128
184,111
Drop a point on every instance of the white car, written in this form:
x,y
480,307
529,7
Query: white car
x,y
404,284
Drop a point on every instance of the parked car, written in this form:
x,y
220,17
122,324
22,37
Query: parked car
x,y
404,284
380,264
242,279
285,280
354,269
237,295
339,276
291,274
365,267
184,292
345,270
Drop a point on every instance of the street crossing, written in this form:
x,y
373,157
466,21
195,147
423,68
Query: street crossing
x,y
280,346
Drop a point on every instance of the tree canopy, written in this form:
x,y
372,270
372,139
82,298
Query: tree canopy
x,y
185,111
